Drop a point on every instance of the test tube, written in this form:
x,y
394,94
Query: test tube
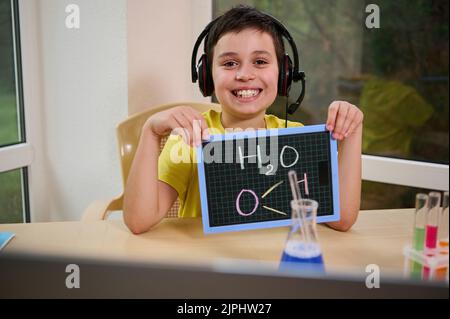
x,y
419,231
431,228
419,221
443,224
441,273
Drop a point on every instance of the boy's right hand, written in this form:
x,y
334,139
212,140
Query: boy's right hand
x,y
180,120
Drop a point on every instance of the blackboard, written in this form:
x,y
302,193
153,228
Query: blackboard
x,y
243,176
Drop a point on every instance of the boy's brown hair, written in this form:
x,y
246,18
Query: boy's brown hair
x,y
239,18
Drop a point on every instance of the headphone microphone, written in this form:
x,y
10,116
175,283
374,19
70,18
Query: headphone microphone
x,y
288,73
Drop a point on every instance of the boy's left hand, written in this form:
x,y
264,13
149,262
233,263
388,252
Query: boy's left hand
x,y
343,119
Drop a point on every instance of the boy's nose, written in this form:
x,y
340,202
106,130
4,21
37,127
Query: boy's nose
x,y
245,74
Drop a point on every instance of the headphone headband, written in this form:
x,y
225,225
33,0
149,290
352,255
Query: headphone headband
x,y
202,35
287,35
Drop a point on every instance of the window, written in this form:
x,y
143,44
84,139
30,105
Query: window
x,y
397,74
15,154
11,196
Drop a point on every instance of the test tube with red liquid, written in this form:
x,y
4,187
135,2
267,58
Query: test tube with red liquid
x,y
431,228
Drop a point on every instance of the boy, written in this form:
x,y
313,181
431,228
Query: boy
x,y
245,50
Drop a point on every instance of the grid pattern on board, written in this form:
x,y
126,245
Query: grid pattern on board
x,y
225,181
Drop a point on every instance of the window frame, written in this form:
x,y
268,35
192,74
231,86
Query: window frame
x,y
33,100
19,155
405,172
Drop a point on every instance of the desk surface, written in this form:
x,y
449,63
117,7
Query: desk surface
x,y
377,238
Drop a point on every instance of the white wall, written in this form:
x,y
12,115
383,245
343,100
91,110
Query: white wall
x,y
75,83
161,35
79,83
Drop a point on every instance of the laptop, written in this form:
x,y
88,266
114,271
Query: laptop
x,y
39,276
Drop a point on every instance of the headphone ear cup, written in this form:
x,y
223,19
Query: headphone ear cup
x,y
285,76
205,81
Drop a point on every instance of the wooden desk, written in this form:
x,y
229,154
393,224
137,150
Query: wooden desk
x,y
378,238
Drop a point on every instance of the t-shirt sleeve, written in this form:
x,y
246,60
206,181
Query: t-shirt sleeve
x,y
175,164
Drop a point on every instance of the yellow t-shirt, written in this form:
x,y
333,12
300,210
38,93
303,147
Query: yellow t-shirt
x,y
178,168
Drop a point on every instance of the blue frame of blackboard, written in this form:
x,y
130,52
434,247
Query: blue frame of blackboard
x,y
261,133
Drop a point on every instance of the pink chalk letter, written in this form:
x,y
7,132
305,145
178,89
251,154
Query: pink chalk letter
x,y
238,208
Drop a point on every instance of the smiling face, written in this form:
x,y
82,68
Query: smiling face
x,y
245,73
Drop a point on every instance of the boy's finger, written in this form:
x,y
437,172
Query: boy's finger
x,y
194,130
344,129
204,128
186,127
185,121
351,129
332,113
197,133
350,118
340,120
203,125
355,123
178,130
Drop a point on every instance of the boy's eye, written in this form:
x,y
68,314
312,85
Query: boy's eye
x,y
229,64
260,62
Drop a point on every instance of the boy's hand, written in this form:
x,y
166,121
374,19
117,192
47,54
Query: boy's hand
x,y
181,120
343,119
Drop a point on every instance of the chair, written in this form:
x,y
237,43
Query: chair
x,y
128,134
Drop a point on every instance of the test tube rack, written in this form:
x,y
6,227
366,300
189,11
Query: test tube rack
x,y
437,260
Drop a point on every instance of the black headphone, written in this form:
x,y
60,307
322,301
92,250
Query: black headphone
x,y
288,73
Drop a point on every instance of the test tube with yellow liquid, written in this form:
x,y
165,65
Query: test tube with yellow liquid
x,y
441,273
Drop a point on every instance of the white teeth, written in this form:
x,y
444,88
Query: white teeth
x,y
246,93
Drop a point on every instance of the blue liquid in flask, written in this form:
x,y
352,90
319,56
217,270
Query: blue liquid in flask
x,y
303,256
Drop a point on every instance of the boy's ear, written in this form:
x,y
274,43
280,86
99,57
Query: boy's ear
x,y
205,80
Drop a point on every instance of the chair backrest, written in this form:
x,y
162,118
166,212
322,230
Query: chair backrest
x,y
129,132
